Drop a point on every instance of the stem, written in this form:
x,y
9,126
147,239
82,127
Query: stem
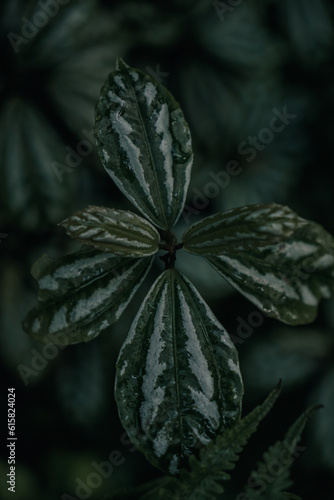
x,y
171,246
169,237
169,260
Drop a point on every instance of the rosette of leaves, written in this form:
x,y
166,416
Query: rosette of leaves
x,y
178,383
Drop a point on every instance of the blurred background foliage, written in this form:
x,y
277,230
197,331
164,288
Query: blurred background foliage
x,y
230,68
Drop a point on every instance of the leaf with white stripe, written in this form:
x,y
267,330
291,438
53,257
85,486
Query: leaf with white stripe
x,y
82,294
241,229
282,263
183,386
117,231
144,143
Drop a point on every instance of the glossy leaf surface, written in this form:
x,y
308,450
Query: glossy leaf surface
x,y
282,263
183,386
205,475
82,294
144,143
117,231
241,229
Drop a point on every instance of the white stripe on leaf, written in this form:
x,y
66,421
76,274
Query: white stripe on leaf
x,y
180,382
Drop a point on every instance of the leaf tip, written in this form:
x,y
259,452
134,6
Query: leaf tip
x,y
315,408
63,223
120,64
279,387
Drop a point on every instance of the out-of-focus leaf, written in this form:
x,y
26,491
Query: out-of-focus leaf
x,y
323,429
77,47
236,36
268,171
293,354
219,106
309,26
80,385
30,190
15,345
184,385
116,231
82,294
53,60
144,143
282,263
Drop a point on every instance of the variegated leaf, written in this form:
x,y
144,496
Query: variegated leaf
x,y
117,231
82,294
144,143
282,263
241,229
183,386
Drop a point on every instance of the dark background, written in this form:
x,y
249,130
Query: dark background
x,y
229,69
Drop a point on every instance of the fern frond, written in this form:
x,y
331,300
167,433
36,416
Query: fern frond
x,y
203,480
272,476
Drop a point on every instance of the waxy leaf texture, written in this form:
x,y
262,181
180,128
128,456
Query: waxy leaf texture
x,y
82,294
282,263
178,382
144,143
116,231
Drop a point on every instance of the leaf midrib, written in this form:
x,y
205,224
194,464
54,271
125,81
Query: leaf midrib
x,y
149,151
175,358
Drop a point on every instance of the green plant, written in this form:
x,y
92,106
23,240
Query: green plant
x,y
178,384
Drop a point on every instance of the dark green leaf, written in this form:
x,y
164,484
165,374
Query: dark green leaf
x,y
50,77
272,475
30,190
241,229
184,385
203,480
296,353
144,143
82,294
309,29
238,38
282,263
116,231
209,470
323,429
